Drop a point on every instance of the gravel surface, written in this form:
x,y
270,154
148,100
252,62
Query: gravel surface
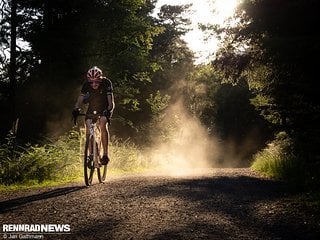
x,y
209,204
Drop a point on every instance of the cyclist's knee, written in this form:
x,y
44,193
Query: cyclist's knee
x,y
103,124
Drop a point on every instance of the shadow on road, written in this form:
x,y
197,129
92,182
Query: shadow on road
x,y
231,206
236,189
12,204
246,208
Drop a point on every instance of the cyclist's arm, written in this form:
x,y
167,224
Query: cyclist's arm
x,y
111,104
79,101
84,90
110,98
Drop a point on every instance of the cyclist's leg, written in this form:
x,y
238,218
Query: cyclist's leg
x,y
87,123
104,137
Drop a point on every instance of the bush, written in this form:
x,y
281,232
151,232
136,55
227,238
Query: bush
x,y
62,160
280,161
126,156
50,161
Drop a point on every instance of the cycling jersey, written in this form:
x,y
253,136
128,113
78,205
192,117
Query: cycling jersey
x,y
97,98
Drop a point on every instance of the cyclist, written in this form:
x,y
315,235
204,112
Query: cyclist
x,y
97,92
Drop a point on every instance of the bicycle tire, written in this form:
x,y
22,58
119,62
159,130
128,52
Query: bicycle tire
x,y
102,173
102,170
87,162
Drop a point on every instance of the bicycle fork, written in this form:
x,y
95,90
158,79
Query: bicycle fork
x,y
96,154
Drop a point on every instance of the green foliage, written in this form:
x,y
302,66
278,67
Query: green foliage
x,y
272,49
126,156
279,160
51,161
200,88
61,160
158,103
141,54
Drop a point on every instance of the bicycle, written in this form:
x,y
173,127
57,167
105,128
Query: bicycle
x,y
93,151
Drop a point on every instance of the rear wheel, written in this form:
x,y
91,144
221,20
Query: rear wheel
x,y
88,166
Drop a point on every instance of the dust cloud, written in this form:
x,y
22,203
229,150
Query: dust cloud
x,y
181,145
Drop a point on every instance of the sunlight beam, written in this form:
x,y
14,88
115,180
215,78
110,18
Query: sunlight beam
x,y
205,12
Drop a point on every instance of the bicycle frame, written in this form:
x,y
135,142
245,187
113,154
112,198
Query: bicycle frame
x,y
92,151
95,134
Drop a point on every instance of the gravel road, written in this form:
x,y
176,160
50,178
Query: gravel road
x,y
211,204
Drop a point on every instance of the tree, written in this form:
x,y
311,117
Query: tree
x,y
68,37
170,51
65,38
272,47
171,61
17,60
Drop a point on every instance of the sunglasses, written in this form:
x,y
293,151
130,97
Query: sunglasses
x,y
95,82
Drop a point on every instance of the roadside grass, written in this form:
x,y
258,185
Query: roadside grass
x,y
126,157
50,161
60,162
278,161
274,163
35,184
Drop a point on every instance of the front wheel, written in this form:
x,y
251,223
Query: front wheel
x,y
88,165
102,173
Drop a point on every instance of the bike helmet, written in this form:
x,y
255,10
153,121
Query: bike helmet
x,y
94,73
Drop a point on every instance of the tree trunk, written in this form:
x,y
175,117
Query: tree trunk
x,y
13,59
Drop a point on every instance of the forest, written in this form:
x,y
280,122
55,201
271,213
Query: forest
x,y
257,98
